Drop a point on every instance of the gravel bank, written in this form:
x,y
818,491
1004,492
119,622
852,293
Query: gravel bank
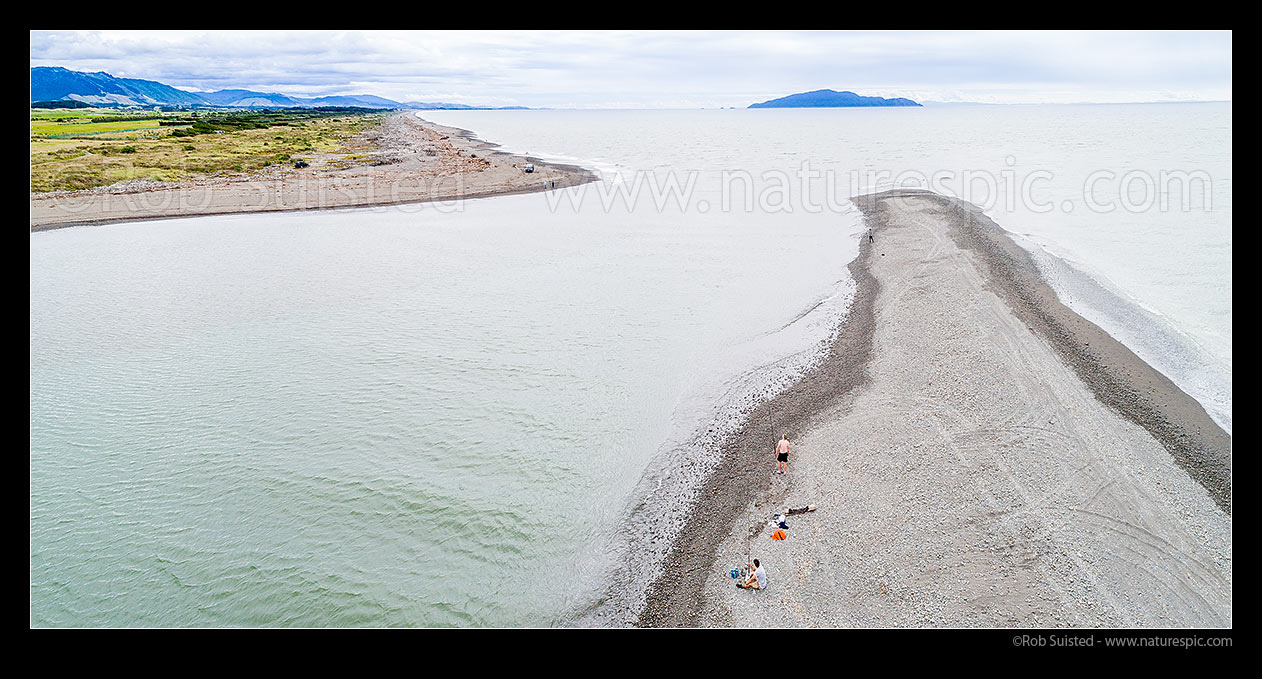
x,y
404,161
981,457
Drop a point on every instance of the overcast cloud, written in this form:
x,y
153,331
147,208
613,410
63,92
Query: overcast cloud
x,y
662,69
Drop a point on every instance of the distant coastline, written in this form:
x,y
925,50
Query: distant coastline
x,y
414,161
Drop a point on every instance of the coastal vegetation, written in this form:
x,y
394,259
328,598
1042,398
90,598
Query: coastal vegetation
x,y
84,148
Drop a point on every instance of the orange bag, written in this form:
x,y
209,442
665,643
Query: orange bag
x,y
778,535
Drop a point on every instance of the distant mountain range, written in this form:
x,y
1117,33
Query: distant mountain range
x,y
831,99
54,83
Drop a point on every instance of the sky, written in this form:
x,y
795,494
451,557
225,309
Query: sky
x,y
663,69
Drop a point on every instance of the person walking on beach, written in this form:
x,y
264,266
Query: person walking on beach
x,y
869,235
782,454
757,578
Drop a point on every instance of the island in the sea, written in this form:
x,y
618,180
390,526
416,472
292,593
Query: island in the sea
x,y
831,99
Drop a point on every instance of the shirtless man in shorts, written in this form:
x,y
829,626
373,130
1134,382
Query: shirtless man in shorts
x,y
782,454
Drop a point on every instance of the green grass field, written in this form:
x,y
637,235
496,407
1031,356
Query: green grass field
x,y
44,128
71,151
74,113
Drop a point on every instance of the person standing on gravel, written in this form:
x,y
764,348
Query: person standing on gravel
x,y
782,454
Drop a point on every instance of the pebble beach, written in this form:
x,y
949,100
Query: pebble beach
x,y
981,457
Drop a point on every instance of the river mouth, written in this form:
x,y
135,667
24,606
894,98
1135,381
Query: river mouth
x,y
484,391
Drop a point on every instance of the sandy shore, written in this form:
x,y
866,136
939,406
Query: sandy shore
x,y
408,161
981,456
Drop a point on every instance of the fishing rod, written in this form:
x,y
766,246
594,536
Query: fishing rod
x,y
749,523
749,529
771,415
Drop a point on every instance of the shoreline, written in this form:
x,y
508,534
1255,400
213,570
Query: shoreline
x,y
414,161
1118,378
675,599
742,495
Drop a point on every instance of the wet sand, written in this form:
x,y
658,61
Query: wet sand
x,y
981,456
407,161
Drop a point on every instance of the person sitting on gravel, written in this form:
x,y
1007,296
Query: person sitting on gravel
x,y
757,579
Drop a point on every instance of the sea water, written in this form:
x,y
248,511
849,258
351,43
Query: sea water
x,y
445,414
1125,207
